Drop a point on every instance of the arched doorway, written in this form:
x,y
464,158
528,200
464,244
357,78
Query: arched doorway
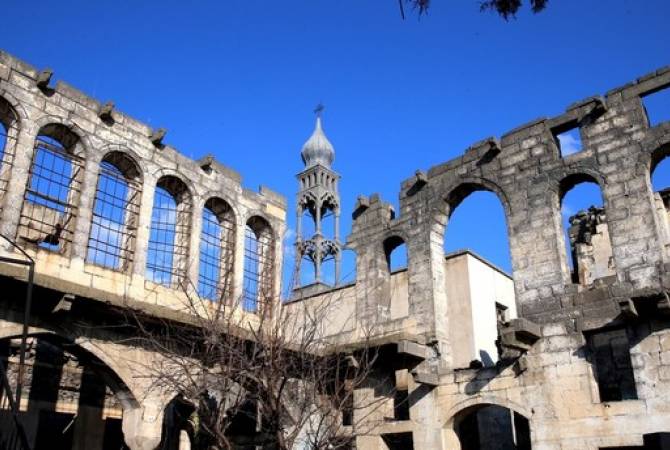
x,y
492,427
70,398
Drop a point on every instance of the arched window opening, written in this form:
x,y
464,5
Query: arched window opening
x,y
477,271
258,264
660,183
51,197
586,234
492,427
170,232
111,243
8,136
395,251
477,223
217,250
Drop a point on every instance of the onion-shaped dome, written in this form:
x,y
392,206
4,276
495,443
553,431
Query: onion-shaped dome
x,y
318,149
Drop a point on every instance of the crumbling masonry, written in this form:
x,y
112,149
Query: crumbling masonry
x,y
547,358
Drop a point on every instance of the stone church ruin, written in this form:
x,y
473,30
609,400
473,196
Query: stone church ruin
x,y
569,351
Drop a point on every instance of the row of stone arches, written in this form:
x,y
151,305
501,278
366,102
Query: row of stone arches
x,y
58,171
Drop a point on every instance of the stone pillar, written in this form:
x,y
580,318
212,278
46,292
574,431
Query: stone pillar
x,y
16,186
193,262
142,426
82,225
89,426
427,431
144,226
238,266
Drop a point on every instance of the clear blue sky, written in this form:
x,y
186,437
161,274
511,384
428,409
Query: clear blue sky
x,y
240,78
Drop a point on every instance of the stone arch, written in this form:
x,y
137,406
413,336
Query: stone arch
x,y
484,400
17,106
128,152
117,373
9,117
84,145
163,172
572,178
224,196
488,424
252,214
459,191
450,198
75,378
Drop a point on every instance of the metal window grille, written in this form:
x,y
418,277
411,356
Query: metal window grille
x,y
258,266
168,240
48,213
7,143
216,250
114,224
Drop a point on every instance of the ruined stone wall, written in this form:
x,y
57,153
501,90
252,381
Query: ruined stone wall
x,y
598,332
98,131
65,277
587,364
527,172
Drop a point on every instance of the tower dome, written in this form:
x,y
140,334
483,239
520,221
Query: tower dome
x,y
318,149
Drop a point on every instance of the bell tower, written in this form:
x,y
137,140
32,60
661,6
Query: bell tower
x,y
318,195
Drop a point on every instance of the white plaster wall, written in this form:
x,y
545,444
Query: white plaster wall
x,y
488,286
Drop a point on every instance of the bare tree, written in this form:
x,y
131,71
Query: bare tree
x,y
273,378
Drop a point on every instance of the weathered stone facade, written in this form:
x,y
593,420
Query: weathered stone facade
x,y
587,363
71,289
584,363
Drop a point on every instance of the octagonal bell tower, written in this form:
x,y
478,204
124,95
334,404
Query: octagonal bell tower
x,y
318,196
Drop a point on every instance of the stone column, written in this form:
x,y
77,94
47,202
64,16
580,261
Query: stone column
x,y
144,226
89,426
238,267
16,186
427,431
82,225
193,261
